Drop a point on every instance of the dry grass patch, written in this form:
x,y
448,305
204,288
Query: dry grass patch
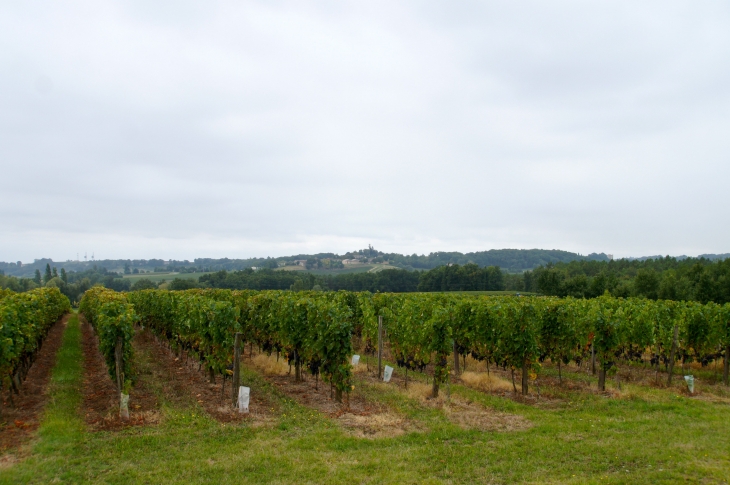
x,y
7,461
379,425
419,391
469,415
269,365
710,398
360,368
485,382
464,413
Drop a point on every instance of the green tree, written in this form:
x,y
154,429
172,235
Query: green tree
x,y
182,284
606,338
668,286
64,276
559,337
518,337
47,277
143,284
550,281
37,277
646,284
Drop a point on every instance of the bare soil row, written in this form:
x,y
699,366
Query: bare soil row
x,y
21,413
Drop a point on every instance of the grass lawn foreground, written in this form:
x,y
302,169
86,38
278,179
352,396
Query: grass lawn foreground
x,y
645,436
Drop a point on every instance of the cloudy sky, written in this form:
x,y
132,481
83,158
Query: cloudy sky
x,y
211,129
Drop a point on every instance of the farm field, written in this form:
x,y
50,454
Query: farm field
x,y
352,268
477,431
491,293
157,277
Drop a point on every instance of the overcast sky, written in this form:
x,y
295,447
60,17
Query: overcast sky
x,y
238,129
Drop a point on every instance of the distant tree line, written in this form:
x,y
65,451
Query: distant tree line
x,y
469,277
688,279
248,279
510,260
698,279
72,284
664,278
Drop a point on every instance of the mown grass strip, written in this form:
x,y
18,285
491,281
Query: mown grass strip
x,y
61,424
62,430
589,439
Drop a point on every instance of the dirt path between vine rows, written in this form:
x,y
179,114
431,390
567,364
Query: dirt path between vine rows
x,y
18,423
100,406
358,415
180,381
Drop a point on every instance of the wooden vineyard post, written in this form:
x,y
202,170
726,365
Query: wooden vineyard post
x,y
119,364
448,390
380,346
456,361
525,377
593,359
671,355
602,377
297,367
236,368
223,389
726,370
656,353
118,360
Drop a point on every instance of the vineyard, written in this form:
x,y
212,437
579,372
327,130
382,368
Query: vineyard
x,y
25,319
318,332
529,396
113,318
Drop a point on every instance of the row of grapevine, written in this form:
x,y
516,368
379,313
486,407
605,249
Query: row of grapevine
x,y
113,318
193,321
520,333
25,319
315,329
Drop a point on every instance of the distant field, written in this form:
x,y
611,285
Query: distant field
x,y
351,268
493,293
157,277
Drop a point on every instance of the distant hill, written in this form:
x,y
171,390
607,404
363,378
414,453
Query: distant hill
x,y
715,256
711,257
512,260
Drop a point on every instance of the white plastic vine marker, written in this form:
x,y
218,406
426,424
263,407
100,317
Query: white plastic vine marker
x,y
244,393
124,406
387,373
690,383
355,359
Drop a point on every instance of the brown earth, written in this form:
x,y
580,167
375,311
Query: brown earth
x,y
356,414
180,380
100,405
19,422
547,391
459,410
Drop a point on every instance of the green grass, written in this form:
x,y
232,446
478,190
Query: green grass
x,y
651,436
62,431
157,277
364,268
491,293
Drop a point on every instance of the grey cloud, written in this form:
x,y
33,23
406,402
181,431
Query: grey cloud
x,y
266,128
